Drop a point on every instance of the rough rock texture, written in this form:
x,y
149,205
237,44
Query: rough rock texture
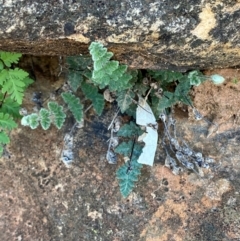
x,y
189,34
41,199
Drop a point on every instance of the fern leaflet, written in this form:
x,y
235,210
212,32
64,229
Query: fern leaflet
x,y
74,105
9,58
124,99
108,72
91,92
196,77
79,63
45,118
31,120
12,82
129,130
6,122
11,107
75,79
59,115
165,76
124,148
4,139
129,172
1,65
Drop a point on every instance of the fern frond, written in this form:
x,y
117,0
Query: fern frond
x,y
159,104
11,107
108,72
27,81
1,65
12,82
124,148
74,105
121,79
4,138
98,64
98,104
129,130
97,51
124,99
127,178
78,63
6,122
59,115
91,93
75,79
165,76
100,78
141,88
31,120
196,77
131,111
3,76
129,172
45,119
9,58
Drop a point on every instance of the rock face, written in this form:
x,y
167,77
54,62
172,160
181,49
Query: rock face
x,y
42,199
144,34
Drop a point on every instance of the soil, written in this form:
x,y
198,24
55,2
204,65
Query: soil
x,y
42,199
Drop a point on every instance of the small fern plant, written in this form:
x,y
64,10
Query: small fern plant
x,y
88,76
105,73
13,83
129,172
181,83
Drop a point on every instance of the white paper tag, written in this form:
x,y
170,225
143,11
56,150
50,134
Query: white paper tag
x,y
145,117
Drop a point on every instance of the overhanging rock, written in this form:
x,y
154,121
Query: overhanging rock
x,y
144,34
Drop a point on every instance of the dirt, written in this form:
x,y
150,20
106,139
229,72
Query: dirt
x,y
42,199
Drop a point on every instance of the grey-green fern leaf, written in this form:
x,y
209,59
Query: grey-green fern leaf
x,y
45,119
58,114
74,105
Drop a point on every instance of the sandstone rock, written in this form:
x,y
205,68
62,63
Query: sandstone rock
x,y
144,34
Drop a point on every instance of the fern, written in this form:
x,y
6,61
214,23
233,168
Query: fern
x,y
13,82
165,76
196,77
4,139
124,148
59,115
9,58
91,93
32,120
129,130
184,83
75,79
160,104
6,122
131,111
74,105
11,107
78,63
124,99
108,72
78,68
128,173
45,118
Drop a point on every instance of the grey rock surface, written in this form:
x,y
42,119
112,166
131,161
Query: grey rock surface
x,y
144,34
